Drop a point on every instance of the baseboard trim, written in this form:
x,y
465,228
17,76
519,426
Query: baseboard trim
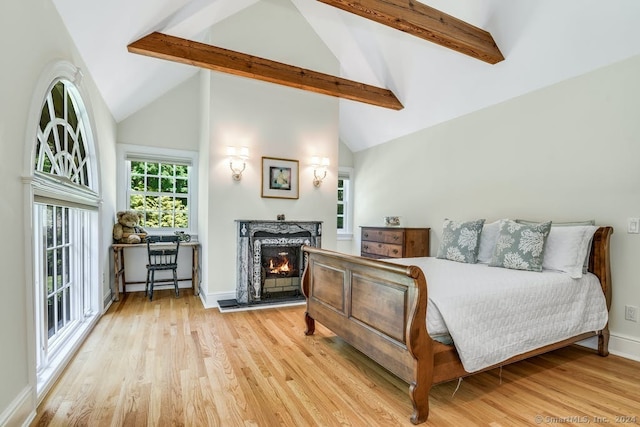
x,y
22,410
625,346
211,300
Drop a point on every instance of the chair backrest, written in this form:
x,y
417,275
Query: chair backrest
x,y
163,251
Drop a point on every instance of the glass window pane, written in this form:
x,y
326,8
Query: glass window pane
x,y
341,195
167,170
49,277
65,264
57,94
58,225
59,282
153,184
71,113
182,171
67,305
167,219
51,327
137,168
49,220
153,168
136,202
340,209
182,186
66,225
340,223
59,310
137,183
151,219
167,185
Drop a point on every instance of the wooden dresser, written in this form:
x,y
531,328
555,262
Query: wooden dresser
x,y
394,242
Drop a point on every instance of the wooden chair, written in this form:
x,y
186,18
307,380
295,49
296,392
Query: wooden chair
x,y
163,255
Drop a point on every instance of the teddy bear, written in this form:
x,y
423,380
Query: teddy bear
x,y
126,229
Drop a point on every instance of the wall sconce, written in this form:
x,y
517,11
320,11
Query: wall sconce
x,y
319,169
237,161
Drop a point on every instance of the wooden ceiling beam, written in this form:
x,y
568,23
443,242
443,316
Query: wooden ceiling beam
x,y
427,23
214,58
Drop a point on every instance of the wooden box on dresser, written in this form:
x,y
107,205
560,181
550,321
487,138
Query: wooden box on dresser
x,y
394,242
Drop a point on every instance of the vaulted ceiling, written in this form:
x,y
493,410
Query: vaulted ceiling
x,y
543,42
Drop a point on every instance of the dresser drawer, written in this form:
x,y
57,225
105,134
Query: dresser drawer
x,y
396,242
386,250
383,236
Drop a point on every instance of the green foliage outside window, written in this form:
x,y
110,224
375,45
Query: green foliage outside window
x,y
341,212
159,191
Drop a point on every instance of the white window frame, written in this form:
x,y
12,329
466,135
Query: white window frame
x,y
128,152
347,232
65,185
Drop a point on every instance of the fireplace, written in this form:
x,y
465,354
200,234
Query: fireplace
x,y
281,270
270,261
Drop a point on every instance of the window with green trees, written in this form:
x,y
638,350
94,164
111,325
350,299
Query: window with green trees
x,y
159,191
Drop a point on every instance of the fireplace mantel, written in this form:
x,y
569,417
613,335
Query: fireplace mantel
x,y
254,233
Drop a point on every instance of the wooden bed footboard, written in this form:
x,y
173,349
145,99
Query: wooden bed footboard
x,y
380,308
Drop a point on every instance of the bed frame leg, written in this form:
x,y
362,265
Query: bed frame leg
x,y
419,395
311,324
603,342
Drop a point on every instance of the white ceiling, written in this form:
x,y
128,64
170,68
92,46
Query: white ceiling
x,y
543,41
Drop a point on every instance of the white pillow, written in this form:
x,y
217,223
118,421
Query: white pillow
x,y
488,239
567,248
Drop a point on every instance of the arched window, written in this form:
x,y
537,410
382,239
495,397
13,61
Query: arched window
x,y
65,224
60,145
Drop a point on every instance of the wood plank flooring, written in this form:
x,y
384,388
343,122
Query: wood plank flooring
x,y
170,362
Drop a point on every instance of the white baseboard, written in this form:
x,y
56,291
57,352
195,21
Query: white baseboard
x,y
619,345
624,346
139,287
21,411
211,300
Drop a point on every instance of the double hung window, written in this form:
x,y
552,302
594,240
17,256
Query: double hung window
x,y
161,186
344,209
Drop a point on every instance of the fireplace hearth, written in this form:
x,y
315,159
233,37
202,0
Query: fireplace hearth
x,y
270,261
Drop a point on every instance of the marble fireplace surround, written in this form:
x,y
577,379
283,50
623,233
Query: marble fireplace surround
x,y
253,235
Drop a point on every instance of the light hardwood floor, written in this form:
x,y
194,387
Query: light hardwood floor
x,y
170,362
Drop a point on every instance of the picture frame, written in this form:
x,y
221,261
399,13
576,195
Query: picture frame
x,y
280,178
392,221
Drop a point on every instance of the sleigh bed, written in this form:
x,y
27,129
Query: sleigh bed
x,y
380,308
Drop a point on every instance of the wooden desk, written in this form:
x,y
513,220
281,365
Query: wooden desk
x,y
118,266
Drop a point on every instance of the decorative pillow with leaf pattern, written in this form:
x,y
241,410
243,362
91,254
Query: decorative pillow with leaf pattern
x,y
460,240
520,246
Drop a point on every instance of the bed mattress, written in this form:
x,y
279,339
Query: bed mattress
x,y
494,313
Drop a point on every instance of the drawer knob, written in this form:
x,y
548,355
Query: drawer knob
x,y
395,251
366,234
396,237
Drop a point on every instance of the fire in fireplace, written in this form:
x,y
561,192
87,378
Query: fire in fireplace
x,y
280,261
280,271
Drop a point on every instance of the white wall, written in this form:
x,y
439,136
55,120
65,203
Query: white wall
x,y
213,110
273,121
172,121
566,152
33,37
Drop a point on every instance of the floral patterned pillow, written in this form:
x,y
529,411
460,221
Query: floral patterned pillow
x,y
520,246
460,240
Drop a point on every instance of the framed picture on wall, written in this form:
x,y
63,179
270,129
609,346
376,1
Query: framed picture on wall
x,y
279,178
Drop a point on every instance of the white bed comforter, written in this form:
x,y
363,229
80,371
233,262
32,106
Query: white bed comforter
x,y
495,313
